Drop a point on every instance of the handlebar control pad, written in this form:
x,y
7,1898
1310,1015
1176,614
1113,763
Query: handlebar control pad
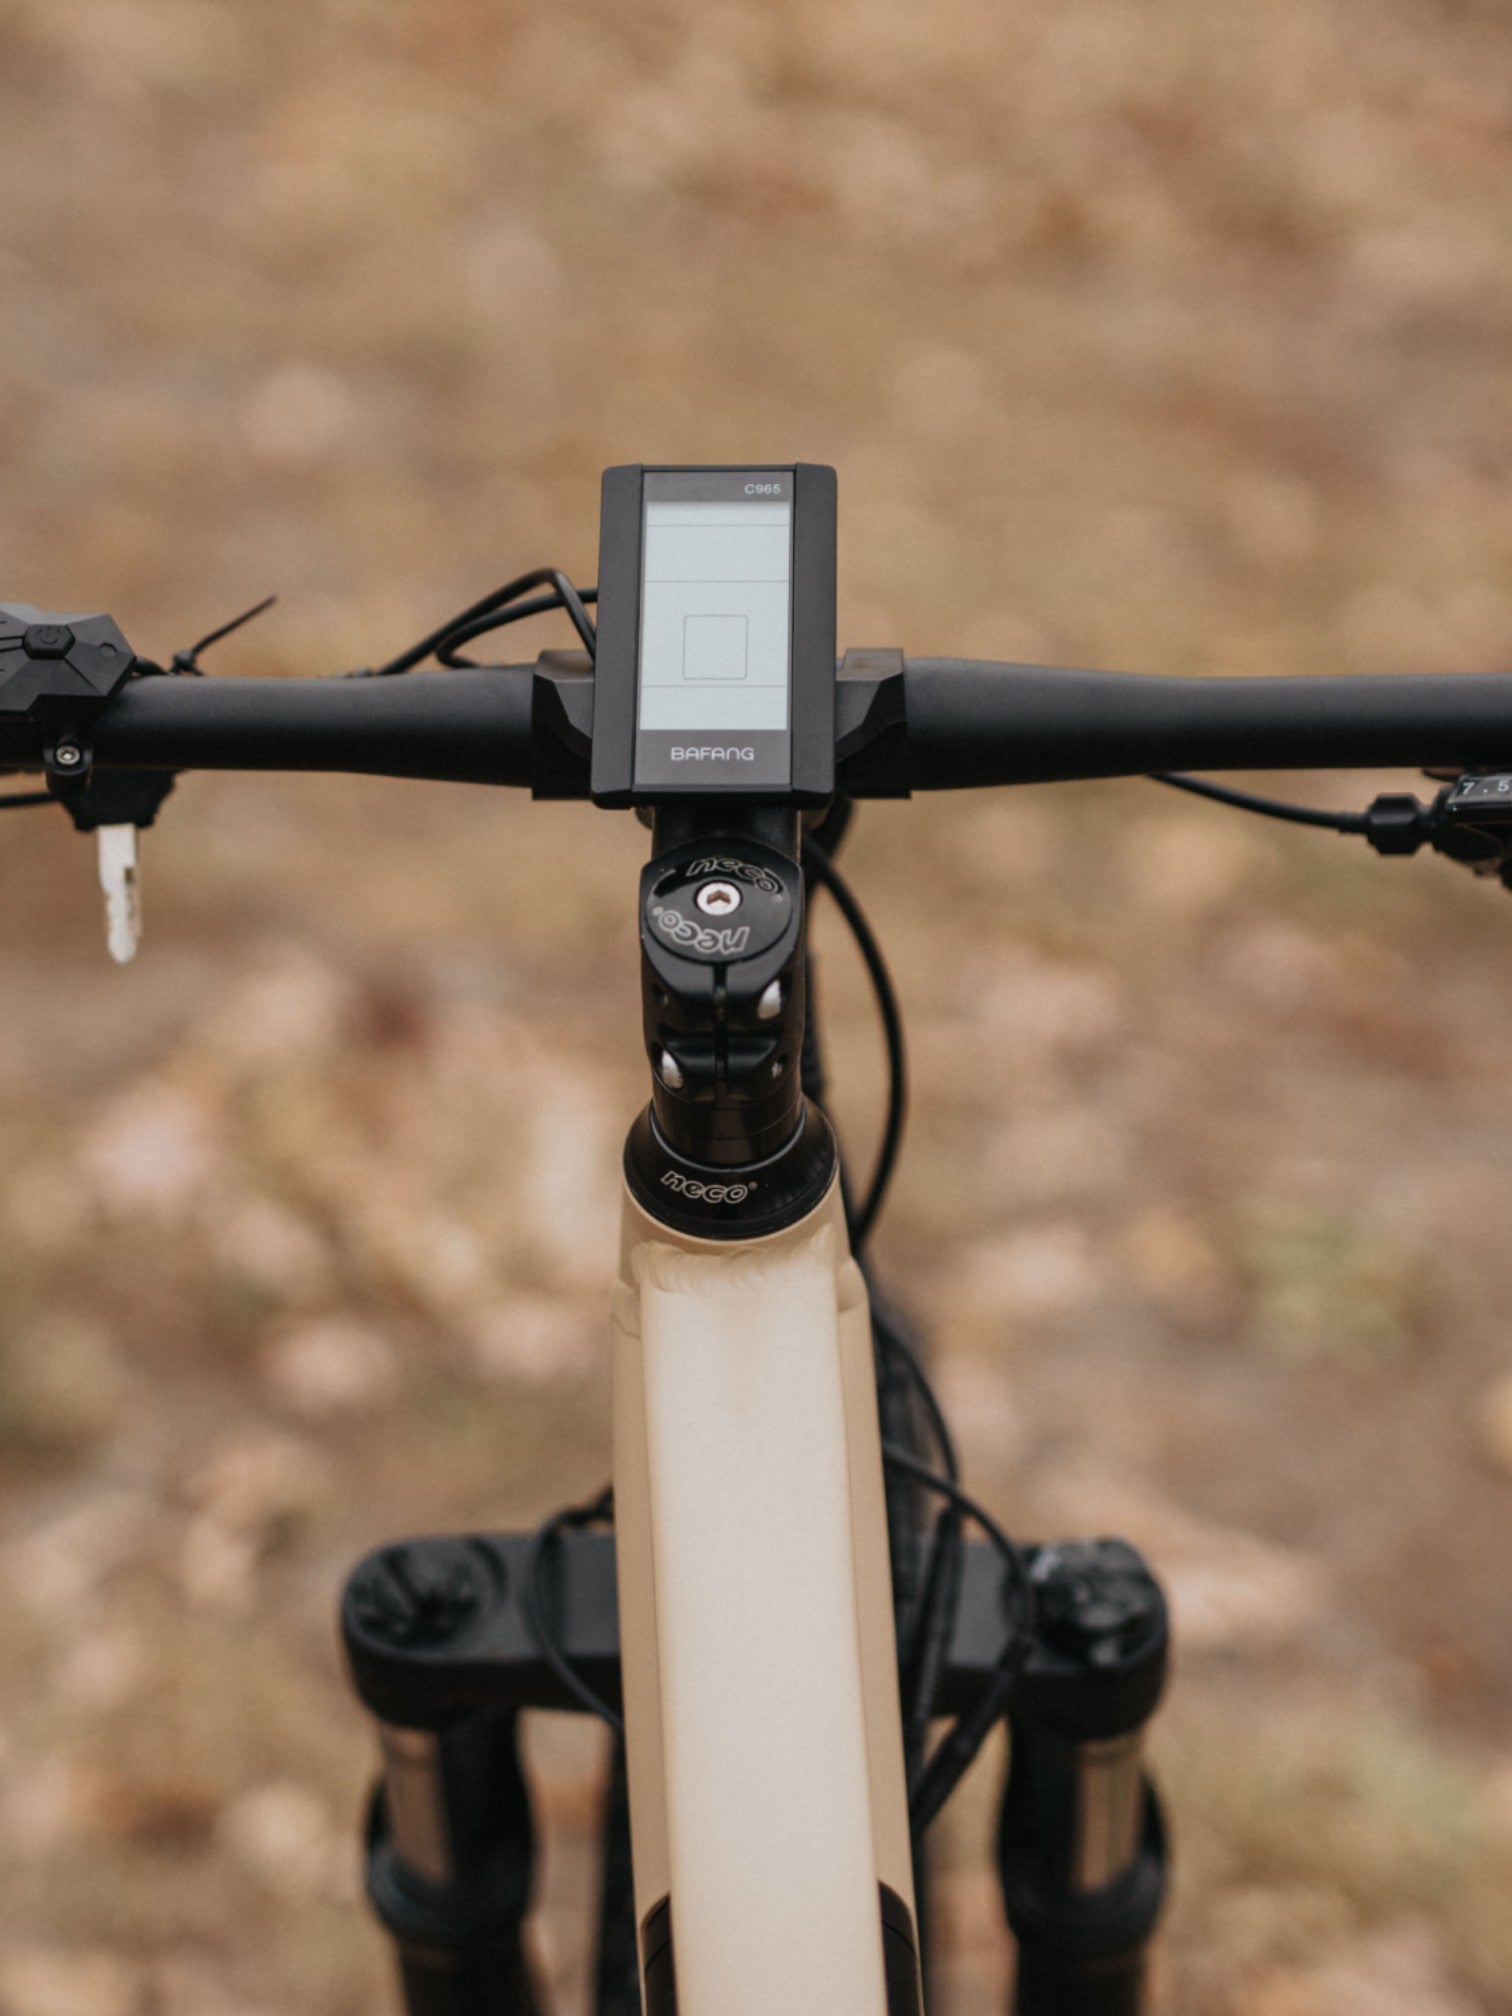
x,y
58,662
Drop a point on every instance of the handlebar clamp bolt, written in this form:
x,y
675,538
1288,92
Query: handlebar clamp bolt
x,y
717,899
47,640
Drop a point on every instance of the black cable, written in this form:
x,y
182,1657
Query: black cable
x,y
957,1750
481,626
823,870
944,1770
926,1564
925,1634
568,596
932,1628
592,1514
572,601
1271,808
892,1339
926,1623
19,799
947,1487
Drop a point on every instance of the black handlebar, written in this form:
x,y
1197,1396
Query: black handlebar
x,y
971,723
472,727
943,723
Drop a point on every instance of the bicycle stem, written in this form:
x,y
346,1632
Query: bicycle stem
x,y
729,1146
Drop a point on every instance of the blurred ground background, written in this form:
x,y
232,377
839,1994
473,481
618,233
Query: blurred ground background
x,y
1167,337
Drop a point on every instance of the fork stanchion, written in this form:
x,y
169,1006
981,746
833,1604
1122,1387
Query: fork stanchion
x,y
1081,1841
450,1853
450,1847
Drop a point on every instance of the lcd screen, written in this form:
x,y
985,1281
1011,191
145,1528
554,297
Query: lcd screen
x,y
713,703
715,615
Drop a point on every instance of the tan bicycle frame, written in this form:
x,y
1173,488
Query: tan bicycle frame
x,y
767,1798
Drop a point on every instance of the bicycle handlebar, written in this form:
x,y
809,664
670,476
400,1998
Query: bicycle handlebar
x,y
952,723
471,727
972,723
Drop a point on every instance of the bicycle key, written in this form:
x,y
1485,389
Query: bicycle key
x,y
118,878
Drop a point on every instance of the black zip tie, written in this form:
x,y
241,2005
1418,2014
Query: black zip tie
x,y
188,661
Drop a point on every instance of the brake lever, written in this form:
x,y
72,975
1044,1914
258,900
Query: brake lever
x,y
60,672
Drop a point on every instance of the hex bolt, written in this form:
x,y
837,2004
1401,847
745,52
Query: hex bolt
x,y
47,640
717,899
68,755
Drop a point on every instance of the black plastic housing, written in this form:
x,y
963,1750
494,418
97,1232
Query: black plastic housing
x,y
811,719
